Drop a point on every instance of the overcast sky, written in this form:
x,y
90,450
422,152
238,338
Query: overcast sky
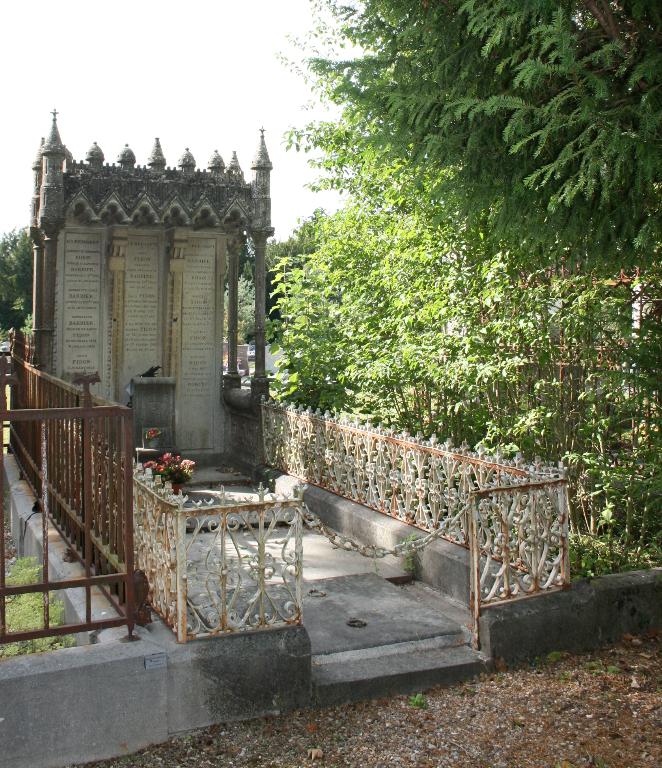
x,y
204,75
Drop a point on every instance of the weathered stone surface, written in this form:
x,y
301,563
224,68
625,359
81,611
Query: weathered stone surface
x,y
588,615
131,264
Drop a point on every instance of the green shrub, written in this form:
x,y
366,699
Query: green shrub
x,y
25,612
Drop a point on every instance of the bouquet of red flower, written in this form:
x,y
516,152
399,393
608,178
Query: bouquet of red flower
x,y
172,467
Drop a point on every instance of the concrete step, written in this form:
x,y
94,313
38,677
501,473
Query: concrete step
x,y
371,638
400,668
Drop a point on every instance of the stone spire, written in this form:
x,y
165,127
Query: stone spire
x,y
95,157
51,193
126,158
216,164
68,157
156,160
261,160
36,163
187,161
234,169
261,168
53,145
36,167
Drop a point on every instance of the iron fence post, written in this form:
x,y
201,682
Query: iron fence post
x,y
474,570
180,573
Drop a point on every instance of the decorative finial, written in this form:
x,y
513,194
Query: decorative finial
x,y
216,164
156,160
95,157
261,161
126,158
53,144
234,169
187,161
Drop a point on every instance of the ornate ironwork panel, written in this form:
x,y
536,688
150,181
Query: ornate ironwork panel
x,y
223,565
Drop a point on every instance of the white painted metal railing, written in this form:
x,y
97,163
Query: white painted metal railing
x,y
225,564
513,516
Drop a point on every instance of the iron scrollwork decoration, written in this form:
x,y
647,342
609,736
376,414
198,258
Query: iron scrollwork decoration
x,y
513,515
225,564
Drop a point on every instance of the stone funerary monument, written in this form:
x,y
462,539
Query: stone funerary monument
x,y
130,264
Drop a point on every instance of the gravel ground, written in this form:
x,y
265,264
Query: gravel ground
x,y
602,709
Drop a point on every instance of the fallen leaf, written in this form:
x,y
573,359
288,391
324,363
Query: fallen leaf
x,y
311,727
315,754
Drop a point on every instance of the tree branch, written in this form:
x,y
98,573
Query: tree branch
x,y
604,17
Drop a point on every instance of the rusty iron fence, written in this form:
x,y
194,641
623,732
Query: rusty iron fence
x,y
222,564
512,516
76,454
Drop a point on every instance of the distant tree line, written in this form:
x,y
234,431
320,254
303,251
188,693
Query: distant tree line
x,y
15,281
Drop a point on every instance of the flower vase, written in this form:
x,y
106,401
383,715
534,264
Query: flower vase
x,y
177,488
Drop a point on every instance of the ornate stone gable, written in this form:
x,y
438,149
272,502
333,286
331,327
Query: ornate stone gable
x,y
193,191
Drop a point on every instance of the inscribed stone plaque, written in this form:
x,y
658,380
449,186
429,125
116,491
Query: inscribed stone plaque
x,y
196,385
154,406
81,294
142,348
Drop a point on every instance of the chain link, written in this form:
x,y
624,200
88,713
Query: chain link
x,y
407,547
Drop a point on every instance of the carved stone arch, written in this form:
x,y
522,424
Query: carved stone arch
x,y
113,212
81,211
175,214
204,214
144,213
235,216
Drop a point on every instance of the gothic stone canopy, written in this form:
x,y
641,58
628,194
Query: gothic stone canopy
x,y
126,193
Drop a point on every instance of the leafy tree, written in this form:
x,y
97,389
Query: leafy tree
x,y
548,113
15,280
496,274
245,309
432,329
303,241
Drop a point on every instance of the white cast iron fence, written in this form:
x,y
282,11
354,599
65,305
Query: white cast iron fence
x,y
217,566
512,516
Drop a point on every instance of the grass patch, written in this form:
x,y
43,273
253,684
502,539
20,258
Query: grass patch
x,y
25,612
418,701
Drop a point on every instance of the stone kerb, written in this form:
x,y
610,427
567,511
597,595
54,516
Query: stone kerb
x,y
113,697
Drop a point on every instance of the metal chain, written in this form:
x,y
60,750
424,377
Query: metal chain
x,y
406,547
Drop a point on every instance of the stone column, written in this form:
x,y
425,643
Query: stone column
x,y
177,265
48,303
232,379
117,267
37,293
259,383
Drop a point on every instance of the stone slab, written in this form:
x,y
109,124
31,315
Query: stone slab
x,y
391,613
234,676
80,704
412,670
80,341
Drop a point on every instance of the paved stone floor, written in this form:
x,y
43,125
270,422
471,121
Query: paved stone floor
x,y
338,587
